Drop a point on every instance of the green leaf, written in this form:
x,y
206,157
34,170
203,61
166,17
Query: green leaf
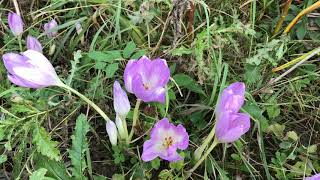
x,y
55,169
129,49
312,149
111,70
99,56
285,145
292,135
40,175
255,112
301,30
186,81
100,65
44,144
79,146
76,56
252,74
155,163
181,51
138,54
3,158
277,129
274,109
165,174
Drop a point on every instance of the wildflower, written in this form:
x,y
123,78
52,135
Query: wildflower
x,y
232,98
33,44
30,69
147,79
165,139
48,28
15,24
231,124
314,177
120,100
112,132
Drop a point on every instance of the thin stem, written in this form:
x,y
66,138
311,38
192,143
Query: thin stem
x,y
307,10
198,152
283,17
124,124
20,43
214,144
92,104
16,6
135,118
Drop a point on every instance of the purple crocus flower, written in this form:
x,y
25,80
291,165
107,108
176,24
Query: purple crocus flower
x,y
165,139
33,44
147,79
15,24
30,69
48,28
314,177
120,100
231,124
232,98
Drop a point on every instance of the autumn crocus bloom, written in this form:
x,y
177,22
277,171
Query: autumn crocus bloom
x,y
48,28
112,132
15,24
232,98
30,69
120,100
165,139
315,177
231,124
33,44
147,79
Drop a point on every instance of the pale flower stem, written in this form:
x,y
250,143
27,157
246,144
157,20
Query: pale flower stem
x,y
135,118
213,145
16,6
20,43
124,124
92,104
198,152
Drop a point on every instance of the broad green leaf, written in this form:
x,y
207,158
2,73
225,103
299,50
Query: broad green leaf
x,y
44,144
108,56
40,175
99,56
186,81
312,149
273,110
100,65
129,49
111,70
155,163
292,135
55,169
138,54
301,30
78,148
252,74
277,129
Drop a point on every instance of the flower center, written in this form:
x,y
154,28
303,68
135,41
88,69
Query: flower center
x,y
168,142
146,86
